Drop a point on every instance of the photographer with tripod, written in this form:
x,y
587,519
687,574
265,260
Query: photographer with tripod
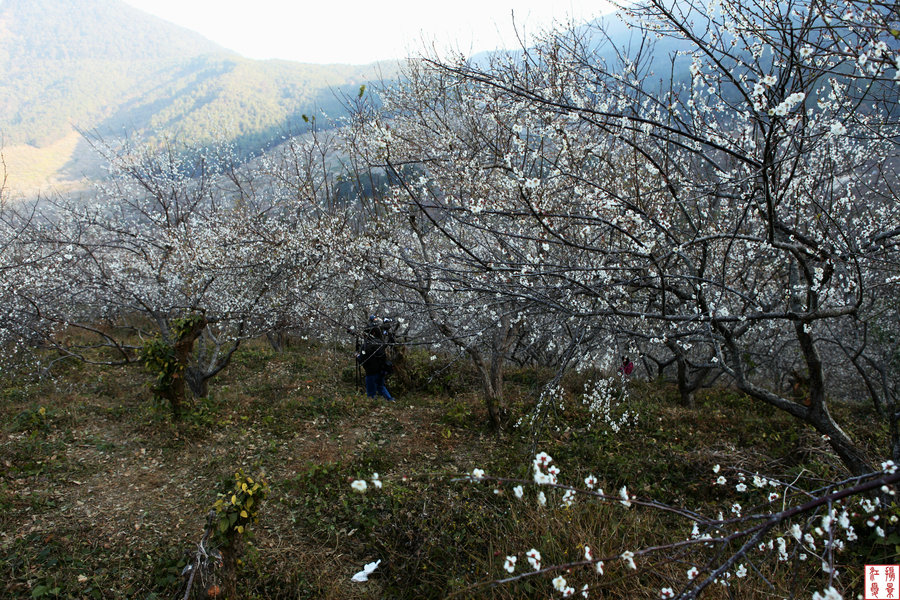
x,y
372,356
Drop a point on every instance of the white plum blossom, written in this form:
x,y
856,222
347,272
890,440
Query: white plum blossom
x,y
789,103
359,485
782,549
510,563
844,520
534,559
828,594
542,459
695,67
869,505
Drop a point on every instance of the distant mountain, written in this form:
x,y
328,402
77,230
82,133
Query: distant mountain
x,y
72,61
103,66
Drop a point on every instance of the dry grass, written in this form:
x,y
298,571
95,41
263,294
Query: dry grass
x,y
102,497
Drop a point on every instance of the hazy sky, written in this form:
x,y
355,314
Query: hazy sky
x,y
325,31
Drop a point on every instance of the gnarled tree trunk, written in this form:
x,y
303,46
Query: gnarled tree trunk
x,y
184,350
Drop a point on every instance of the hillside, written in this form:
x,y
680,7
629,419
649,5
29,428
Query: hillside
x,y
102,66
68,61
102,495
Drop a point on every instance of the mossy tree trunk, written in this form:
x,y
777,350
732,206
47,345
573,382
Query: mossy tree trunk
x,y
184,350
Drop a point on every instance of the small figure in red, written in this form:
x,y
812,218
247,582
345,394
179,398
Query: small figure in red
x,y
627,366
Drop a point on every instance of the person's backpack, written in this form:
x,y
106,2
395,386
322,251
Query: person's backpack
x,y
376,348
372,349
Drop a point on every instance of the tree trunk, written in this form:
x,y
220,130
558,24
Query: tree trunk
x,y
230,554
197,382
895,438
184,350
817,412
685,389
175,396
492,384
278,340
812,410
686,385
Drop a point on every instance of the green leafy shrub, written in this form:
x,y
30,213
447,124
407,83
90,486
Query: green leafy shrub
x,y
159,358
238,508
32,421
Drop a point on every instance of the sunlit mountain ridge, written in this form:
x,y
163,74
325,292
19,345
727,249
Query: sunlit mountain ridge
x,y
102,66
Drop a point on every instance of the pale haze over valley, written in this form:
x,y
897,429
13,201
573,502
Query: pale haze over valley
x,y
364,32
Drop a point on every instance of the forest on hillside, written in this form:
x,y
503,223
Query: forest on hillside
x,y
102,67
67,62
555,228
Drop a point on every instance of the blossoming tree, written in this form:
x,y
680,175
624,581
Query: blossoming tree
x,y
728,215
182,247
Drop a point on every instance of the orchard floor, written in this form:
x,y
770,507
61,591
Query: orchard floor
x,y
102,496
